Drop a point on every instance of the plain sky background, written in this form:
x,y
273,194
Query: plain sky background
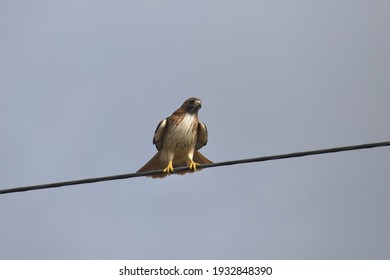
x,y
83,85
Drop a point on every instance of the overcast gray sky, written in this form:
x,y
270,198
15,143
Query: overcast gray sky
x,y
83,85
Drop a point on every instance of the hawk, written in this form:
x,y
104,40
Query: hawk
x,y
178,139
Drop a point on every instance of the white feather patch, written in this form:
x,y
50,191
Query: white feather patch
x,y
183,135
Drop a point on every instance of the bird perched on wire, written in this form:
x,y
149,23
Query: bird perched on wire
x,y
178,139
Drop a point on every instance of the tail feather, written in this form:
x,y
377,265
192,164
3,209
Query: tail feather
x,y
153,164
198,158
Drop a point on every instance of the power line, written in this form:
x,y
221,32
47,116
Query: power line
x,y
203,166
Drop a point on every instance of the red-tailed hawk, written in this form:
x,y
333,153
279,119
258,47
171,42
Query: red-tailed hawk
x,y
178,139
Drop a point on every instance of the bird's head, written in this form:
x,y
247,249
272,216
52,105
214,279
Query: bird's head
x,y
192,105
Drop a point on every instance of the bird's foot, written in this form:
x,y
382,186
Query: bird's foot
x,y
193,165
169,168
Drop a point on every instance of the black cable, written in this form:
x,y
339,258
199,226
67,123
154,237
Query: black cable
x,y
224,163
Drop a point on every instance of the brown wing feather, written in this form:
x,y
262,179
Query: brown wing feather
x,y
202,136
159,134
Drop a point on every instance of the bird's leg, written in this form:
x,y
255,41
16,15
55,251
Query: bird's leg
x,y
169,168
193,165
